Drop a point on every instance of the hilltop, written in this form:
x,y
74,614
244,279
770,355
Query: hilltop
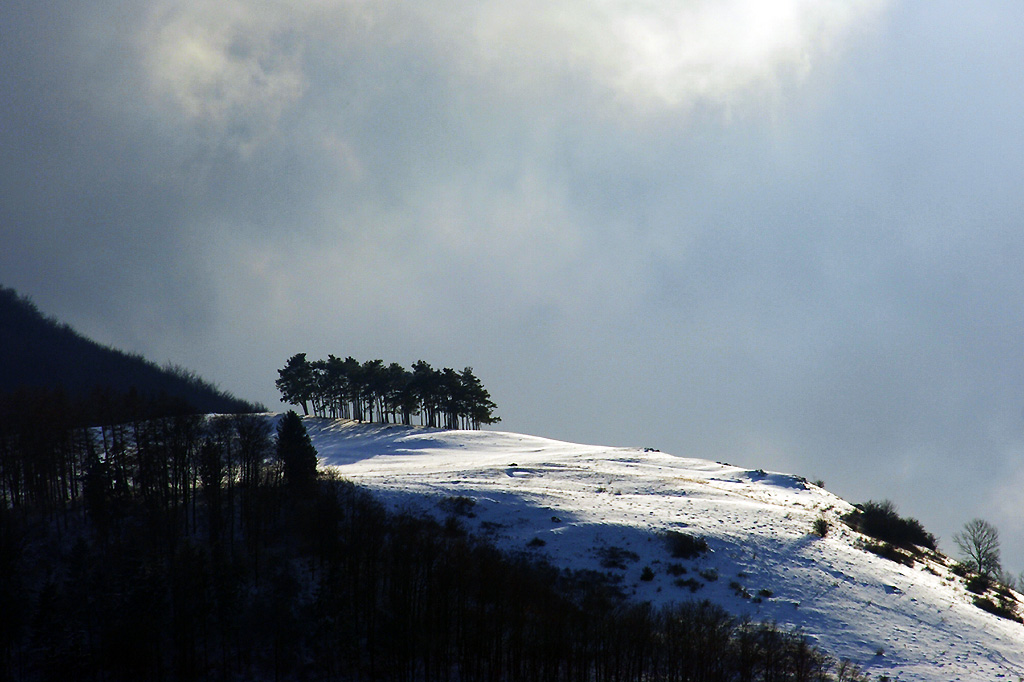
x,y
614,510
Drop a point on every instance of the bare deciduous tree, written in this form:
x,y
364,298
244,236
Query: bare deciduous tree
x,y
979,542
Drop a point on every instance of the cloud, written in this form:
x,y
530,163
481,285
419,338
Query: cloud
x,y
230,69
235,68
660,55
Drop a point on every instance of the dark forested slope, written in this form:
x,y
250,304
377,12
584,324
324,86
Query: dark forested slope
x,y
203,548
38,352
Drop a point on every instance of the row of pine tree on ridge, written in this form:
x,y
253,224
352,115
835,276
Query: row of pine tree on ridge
x,y
372,391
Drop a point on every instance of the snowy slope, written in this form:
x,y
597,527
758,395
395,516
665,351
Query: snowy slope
x,y
596,507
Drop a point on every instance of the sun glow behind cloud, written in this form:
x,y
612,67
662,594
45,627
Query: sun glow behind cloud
x,y
239,66
661,54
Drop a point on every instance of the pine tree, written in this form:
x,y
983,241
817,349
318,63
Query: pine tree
x,y
480,407
297,382
296,452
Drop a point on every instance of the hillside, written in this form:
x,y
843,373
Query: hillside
x,y
38,352
608,509
192,548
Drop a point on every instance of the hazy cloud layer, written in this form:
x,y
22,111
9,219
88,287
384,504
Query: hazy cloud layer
x,y
782,234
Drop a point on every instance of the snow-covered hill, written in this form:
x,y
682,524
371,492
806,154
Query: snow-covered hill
x,y
608,509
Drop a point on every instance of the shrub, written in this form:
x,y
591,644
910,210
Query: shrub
x,y
961,570
647,575
691,583
453,528
821,526
676,570
881,521
710,574
979,584
848,671
536,542
616,557
458,506
684,545
739,590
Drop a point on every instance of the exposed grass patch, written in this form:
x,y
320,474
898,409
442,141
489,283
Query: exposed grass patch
x,y
984,587
889,551
1003,609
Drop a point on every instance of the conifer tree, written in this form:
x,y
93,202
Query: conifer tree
x,y
296,452
297,382
480,407
372,391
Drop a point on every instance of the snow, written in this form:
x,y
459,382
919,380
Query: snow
x,y
588,503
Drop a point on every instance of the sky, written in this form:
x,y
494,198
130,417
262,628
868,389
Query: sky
x,y
783,234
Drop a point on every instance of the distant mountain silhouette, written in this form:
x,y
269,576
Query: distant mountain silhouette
x,y
38,352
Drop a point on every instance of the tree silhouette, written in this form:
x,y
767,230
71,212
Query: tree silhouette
x,y
296,452
979,542
479,407
296,382
388,393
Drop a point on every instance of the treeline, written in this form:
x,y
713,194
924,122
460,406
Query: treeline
x,y
203,548
107,532
38,352
61,456
371,390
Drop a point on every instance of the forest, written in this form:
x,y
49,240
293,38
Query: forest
x,y
37,351
362,391
189,547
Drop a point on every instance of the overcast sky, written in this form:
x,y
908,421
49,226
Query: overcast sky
x,y
784,234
